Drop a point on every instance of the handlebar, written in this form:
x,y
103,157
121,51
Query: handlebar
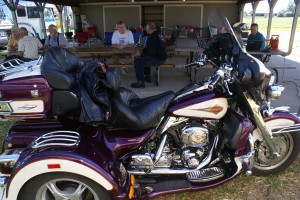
x,y
217,78
190,65
195,63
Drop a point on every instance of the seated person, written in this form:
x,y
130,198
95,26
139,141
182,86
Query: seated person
x,y
238,34
13,39
28,47
256,36
122,38
153,54
55,39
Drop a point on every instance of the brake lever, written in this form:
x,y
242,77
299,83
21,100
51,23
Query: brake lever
x,y
227,88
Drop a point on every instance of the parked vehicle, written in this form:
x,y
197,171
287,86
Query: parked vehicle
x,y
28,16
97,140
5,23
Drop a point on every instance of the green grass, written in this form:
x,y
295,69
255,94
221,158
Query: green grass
x,y
279,24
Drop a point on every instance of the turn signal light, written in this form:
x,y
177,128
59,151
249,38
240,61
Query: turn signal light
x,y
132,180
131,192
131,189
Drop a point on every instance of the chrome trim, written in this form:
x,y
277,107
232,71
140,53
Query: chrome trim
x,y
207,160
160,149
7,103
11,159
200,88
288,129
178,171
171,121
57,138
249,158
3,181
194,175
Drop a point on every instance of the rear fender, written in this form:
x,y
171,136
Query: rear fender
x,y
61,162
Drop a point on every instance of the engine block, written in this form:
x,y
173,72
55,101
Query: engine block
x,y
194,136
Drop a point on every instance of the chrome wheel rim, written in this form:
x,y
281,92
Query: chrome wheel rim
x,y
284,144
65,189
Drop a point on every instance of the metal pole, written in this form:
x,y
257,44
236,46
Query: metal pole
x,y
60,9
74,10
272,4
294,26
41,8
242,8
254,7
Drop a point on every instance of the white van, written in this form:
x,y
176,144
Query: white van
x,y
5,23
28,16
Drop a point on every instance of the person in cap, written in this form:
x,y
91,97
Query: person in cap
x,y
238,34
13,39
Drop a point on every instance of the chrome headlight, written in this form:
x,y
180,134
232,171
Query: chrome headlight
x,y
274,92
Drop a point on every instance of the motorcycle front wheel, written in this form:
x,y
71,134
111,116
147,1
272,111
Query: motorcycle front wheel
x,y
288,147
60,186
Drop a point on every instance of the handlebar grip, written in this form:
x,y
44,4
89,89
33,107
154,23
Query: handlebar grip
x,y
215,80
190,64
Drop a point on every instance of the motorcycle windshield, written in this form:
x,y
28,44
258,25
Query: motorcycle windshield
x,y
218,23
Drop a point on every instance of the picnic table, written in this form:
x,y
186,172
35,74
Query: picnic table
x,y
192,51
14,53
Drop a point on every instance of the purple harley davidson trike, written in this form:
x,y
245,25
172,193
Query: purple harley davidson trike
x,y
84,137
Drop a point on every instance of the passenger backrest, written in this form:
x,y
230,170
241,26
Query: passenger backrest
x,y
58,67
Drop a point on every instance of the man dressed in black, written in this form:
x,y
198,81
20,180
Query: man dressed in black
x,y
153,54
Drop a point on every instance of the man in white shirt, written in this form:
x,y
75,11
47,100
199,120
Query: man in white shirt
x,y
122,38
28,47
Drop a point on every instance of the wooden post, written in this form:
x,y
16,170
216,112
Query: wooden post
x,y
41,8
272,4
74,10
12,5
254,7
293,31
241,8
60,9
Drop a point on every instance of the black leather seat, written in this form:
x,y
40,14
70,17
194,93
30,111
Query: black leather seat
x,y
59,68
131,112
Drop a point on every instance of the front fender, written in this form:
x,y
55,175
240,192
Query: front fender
x,y
58,162
279,120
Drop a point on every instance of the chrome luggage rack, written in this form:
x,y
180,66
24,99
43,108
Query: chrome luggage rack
x,y
16,65
291,128
57,138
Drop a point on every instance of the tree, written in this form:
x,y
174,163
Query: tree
x,y
291,8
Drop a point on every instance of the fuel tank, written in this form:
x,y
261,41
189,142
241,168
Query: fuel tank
x,y
204,104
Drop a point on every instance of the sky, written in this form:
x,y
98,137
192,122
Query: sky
x,y
263,6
